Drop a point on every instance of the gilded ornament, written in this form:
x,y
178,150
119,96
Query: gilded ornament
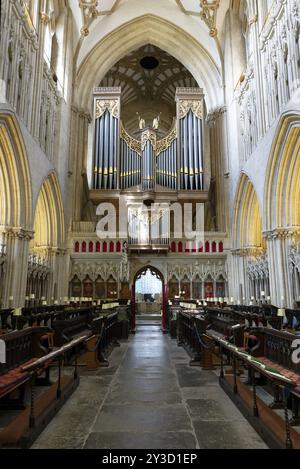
x,y
186,105
165,143
132,143
111,105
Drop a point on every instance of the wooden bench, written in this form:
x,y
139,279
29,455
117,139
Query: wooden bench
x,y
270,359
70,323
22,428
21,348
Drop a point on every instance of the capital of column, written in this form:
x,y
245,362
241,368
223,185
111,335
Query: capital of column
x,y
19,233
282,233
213,116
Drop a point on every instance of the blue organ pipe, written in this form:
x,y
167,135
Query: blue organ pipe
x,y
190,150
100,149
200,139
181,155
196,152
116,162
185,152
106,149
96,156
111,152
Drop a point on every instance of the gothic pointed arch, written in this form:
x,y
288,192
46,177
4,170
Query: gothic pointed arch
x,y
247,217
15,183
49,226
149,29
282,188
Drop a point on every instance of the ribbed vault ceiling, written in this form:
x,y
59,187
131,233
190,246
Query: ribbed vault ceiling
x,y
148,91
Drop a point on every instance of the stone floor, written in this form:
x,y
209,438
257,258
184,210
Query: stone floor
x,y
149,398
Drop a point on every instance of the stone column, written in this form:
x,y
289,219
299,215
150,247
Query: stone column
x,y
217,124
239,278
278,255
17,249
38,76
254,38
59,261
77,159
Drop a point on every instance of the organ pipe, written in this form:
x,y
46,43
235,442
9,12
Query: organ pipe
x,y
190,116
106,146
175,162
166,167
130,157
148,159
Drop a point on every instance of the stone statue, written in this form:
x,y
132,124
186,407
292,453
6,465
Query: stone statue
x,y
142,123
155,123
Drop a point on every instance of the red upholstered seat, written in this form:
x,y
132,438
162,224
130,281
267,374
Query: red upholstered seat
x,y
13,378
284,371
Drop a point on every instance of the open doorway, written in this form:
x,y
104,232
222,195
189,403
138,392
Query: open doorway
x,y
149,296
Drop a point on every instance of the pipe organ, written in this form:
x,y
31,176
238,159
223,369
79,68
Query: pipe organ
x,y
106,148
131,160
174,162
190,122
148,159
166,160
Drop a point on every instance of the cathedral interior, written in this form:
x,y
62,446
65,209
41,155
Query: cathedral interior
x,y
150,224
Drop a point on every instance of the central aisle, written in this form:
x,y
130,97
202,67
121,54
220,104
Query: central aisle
x,y
149,398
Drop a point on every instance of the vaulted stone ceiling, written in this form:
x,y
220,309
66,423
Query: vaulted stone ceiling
x,y
148,78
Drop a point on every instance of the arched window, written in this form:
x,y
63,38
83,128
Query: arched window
x,y
111,246
83,246
76,247
104,247
91,246
221,248
118,246
180,246
98,246
207,246
173,246
214,246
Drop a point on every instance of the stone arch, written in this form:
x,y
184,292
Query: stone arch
x,y
15,183
161,33
49,226
153,269
247,218
282,187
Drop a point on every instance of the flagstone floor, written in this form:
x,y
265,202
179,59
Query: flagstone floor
x,y
149,398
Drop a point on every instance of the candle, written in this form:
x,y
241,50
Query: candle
x,y
252,298
18,312
268,298
32,296
251,303
281,312
56,302
262,293
44,303
232,299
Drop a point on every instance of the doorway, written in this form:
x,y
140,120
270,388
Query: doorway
x,y
149,296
